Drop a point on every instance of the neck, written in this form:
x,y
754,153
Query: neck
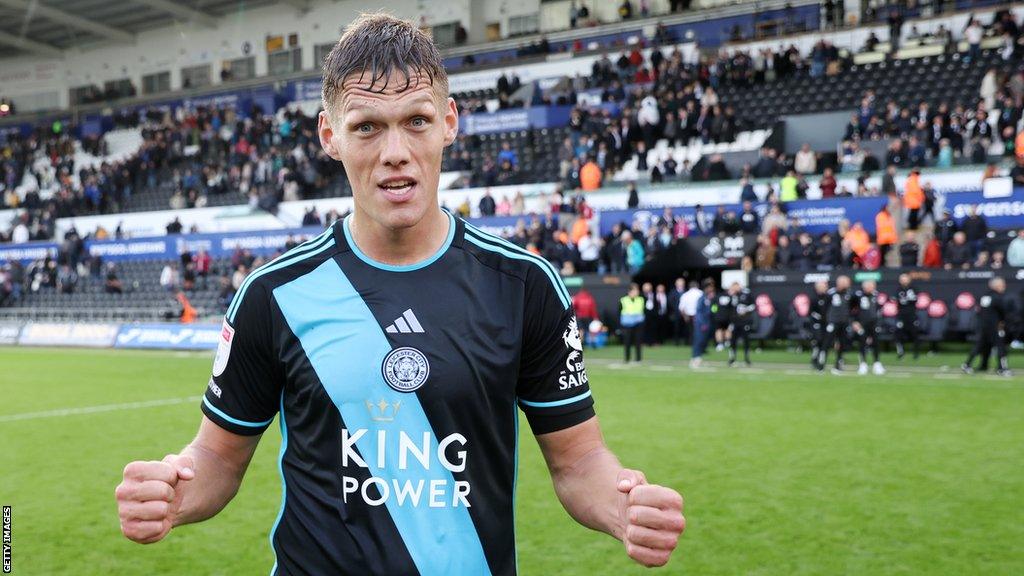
x,y
402,246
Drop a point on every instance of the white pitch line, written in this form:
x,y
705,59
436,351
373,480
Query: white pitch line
x,y
96,409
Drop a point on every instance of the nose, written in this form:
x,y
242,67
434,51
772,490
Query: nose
x,y
396,149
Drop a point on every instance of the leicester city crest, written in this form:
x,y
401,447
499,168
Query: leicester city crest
x,y
405,369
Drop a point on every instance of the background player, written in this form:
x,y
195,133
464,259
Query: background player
x,y
992,319
907,325
865,326
741,321
837,323
723,311
819,306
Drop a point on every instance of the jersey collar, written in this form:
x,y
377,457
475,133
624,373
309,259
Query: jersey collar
x,y
344,238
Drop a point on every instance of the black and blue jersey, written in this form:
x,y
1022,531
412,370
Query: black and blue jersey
x,y
398,389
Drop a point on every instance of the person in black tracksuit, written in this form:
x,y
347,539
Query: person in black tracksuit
x,y
865,326
992,320
837,323
819,305
907,325
723,311
741,321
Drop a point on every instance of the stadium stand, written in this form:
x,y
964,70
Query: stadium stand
x,y
657,110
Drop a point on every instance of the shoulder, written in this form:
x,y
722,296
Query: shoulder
x,y
286,267
504,256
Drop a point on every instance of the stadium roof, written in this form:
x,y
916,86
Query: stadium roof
x,y
48,27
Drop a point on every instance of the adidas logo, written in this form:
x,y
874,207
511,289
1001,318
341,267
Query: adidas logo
x,y
405,324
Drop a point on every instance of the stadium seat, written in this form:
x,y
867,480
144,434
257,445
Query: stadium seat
x,y
798,321
938,320
964,317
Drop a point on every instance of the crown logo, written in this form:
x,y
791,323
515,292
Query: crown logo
x,y
382,410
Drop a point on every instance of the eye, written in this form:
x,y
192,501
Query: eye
x,y
419,122
364,128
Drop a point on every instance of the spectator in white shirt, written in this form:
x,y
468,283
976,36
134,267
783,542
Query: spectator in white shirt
x,y
688,301
169,277
806,161
20,233
590,252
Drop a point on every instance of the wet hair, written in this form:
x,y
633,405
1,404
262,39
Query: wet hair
x,y
376,46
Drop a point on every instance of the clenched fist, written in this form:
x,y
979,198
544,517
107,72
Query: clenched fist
x,y
149,497
652,516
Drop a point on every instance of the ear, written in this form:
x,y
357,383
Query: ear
x,y
326,132
451,122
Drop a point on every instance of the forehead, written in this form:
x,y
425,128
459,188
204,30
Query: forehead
x,y
358,92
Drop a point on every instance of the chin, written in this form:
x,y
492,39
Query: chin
x,y
400,217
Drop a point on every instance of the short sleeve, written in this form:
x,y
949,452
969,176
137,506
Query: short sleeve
x,y
553,389
244,391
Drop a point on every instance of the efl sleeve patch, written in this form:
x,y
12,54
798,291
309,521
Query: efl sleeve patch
x,y
227,334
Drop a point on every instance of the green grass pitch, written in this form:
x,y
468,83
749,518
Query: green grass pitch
x,y
784,472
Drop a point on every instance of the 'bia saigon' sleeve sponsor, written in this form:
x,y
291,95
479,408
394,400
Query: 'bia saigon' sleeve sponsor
x,y
553,389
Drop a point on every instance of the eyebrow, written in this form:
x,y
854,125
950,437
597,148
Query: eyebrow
x,y
418,102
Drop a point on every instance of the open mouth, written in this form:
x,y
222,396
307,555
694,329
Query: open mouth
x,y
397,187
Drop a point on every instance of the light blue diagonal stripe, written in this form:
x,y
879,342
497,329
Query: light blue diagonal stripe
x,y
516,255
346,346
297,254
556,278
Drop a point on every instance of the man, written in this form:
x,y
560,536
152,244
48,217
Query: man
x,y
631,320
741,321
993,317
369,341
750,223
957,253
722,311
865,326
907,324
885,232
651,312
913,198
675,311
910,251
819,306
703,223
975,228
837,324
688,303
1015,251
702,323
662,308
946,228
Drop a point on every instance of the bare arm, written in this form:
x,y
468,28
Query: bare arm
x,y
191,486
220,459
602,495
584,472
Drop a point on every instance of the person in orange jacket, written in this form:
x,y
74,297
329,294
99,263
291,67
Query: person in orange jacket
x,y
885,231
913,199
188,311
858,240
590,176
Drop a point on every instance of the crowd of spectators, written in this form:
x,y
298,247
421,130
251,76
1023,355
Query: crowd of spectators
x,y
264,159
270,158
938,136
